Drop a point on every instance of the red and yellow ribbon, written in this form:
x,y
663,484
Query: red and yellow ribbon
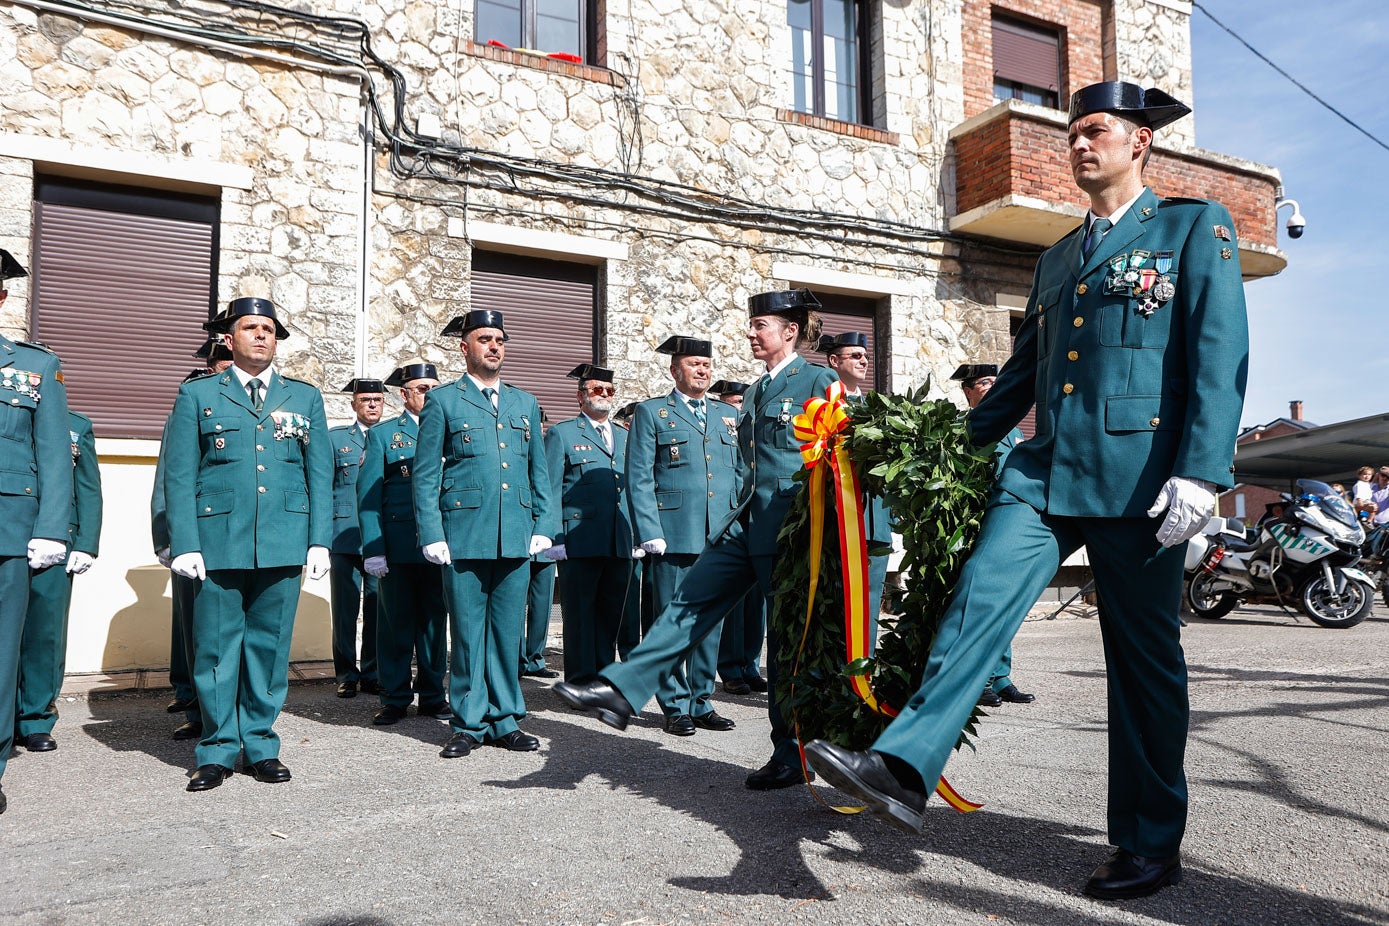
x,y
819,429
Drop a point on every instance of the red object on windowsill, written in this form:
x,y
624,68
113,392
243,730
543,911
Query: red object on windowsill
x,y
495,44
565,56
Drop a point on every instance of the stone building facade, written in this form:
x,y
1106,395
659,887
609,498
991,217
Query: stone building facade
x,y
363,155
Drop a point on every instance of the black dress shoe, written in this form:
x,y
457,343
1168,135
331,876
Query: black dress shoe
x,y
370,686
516,741
391,713
179,705
208,777
540,673
989,699
40,742
347,689
458,746
1126,876
680,725
440,710
866,776
1013,696
192,730
600,697
757,683
270,771
774,775
737,686
714,721
3,802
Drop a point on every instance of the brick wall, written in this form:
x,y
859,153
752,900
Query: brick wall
x,y
1082,44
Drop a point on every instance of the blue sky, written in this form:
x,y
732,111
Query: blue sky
x,y
1318,329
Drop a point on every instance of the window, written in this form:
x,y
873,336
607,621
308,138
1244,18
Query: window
x,y
1027,62
550,26
123,278
832,83
853,313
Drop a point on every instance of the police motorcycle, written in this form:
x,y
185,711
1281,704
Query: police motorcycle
x,y
1306,556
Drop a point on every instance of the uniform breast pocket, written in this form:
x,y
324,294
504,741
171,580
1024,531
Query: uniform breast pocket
x,y
464,437
673,448
1137,321
776,427
221,439
16,415
290,450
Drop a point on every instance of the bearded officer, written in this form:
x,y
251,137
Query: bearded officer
x,y
1134,349
586,456
35,492
743,542
249,488
413,616
43,654
352,591
483,507
682,473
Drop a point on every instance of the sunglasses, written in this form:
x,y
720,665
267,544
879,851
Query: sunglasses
x,y
421,389
601,390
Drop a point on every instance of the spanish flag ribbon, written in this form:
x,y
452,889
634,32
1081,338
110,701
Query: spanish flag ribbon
x,y
819,428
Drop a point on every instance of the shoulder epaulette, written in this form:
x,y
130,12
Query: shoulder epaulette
x,y
38,345
295,379
1179,200
82,416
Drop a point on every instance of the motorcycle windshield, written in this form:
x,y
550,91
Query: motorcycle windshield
x,y
1328,500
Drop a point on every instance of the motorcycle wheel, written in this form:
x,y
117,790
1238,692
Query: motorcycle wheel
x,y
1323,606
1205,603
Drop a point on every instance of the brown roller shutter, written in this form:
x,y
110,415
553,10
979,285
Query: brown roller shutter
x,y
851,313
1028,425
550,308
120,297
1026,54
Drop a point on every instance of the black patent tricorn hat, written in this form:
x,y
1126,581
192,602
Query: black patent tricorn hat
x,y
360,385
588,371
241,308
790,303
404,374
681,346
829,345
9,267
213,349
728,387
478,318
1152,107
969,372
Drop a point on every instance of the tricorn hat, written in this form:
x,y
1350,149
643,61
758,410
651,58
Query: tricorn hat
x,y
213,349
790,303
829,345
9,267
196,374
405,373
626,411
588,371
728,387
478,318
240,308
969,372
359,385
681,346
1151,107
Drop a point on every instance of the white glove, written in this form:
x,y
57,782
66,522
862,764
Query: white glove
x,y
317,562
79,562
1189,504
45,553
638,552
437,553
189,565
554,554
375,566
654,547
540,543
163,556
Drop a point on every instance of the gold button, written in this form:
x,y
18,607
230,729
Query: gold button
x,y
499,425
28,490
1068,389
1155,422
14,401
1082,289
260,467
710,475
260,427
1073,355
708,457
501,444
706,440
711,494
504,464
261,490
1078,321
458,504
660,504
505,486
216,427
259,448
208,508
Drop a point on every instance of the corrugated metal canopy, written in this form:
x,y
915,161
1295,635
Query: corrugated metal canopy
x,y
1332,453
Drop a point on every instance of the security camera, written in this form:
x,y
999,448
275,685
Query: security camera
x,y
1297,222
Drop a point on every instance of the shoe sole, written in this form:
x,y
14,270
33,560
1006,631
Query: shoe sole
x,y
885,808
1173,877
611,718
185,737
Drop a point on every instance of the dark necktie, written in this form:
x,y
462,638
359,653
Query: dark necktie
x,y
491,396
1098,229
762,385
257,397
698,406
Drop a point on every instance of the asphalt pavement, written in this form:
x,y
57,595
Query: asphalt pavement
x,y
1288,763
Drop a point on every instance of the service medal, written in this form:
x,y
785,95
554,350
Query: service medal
x,y
1139,258
220,443
674,452
1119,262
1164,289
785,415
405,469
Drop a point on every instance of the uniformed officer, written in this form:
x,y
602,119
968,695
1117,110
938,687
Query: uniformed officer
x,y
683,477
353,591
629,634
483,506
249,486
586,456
35,492
540,599
43,653
215,354
1134,349
976,379
744,627
413,615
742,543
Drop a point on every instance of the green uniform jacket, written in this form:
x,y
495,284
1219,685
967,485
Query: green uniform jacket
x,y
84,526
481,482
771,450
1126,400
385,492
590,484
681,481
248,489
348,443
35,448
159,509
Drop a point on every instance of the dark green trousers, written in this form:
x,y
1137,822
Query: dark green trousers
x,y
689,687
1139,587
1001,677
714,585
242,623
540,596
592,597
637,614
14,603
184,591
487,614
43,652
740,644
353,593
412,624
